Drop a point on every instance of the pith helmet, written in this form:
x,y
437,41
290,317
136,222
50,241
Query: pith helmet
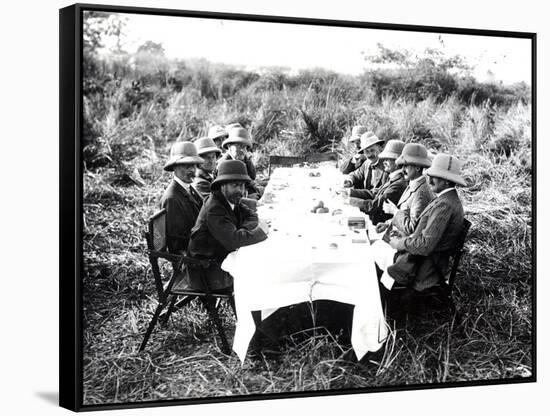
x,y
206,145
414,154
357,132
216,132
392,150
369,140
183,153
238,135
230,171
447,167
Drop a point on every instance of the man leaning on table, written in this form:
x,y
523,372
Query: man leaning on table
x,y
413,160
370,174
389,191
225,223
419,261
354,162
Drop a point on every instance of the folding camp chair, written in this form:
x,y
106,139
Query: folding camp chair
x,y
322,157
442,292
283,161
175,293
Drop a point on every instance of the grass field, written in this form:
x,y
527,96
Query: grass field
x,y
128,131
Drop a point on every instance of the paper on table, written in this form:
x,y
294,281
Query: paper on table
x,y
371,231
386,280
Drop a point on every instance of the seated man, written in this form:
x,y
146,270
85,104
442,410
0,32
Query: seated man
x,y
225,223
358,157
181,200
370,174
390,191
218,134
420,260
207,150
238,144
417,195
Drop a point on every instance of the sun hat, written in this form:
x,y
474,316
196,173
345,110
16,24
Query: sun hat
x,y
414,154
447,167
232,126
206,145
230,171
357,132
392,150
238,135
183,153
369,140
216,132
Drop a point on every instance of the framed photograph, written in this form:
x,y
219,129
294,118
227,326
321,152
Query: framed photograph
x,y
257,207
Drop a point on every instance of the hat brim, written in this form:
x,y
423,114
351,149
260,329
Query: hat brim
x,y
417,161
219,136
186,160
448,176
208,150
380,141
237,177
386,154
353,139
229,141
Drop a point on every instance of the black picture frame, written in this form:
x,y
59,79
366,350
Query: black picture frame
x,y
71,200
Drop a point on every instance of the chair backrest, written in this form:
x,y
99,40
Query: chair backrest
x,y
459,249
322,157
284,161
156,233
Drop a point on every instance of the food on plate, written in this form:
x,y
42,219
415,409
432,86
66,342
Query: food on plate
x,y
321,210
337,211
333,246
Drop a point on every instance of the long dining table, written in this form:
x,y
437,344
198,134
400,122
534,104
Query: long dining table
x,y
308,256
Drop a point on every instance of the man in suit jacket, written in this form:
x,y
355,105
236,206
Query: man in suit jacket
x,y
225,223
353,163
371,175
208,150
389,191
181,200
417,195
420,260
237,144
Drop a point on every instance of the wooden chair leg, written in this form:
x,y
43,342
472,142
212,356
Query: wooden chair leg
x,y
152,324
232,304
166,316
215,318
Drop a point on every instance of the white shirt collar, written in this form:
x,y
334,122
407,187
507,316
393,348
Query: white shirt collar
x,y
231,205
452,188
414,181
185,186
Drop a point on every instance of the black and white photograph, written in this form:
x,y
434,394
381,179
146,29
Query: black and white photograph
x,y
288,207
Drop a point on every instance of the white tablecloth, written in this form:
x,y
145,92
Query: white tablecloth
x,y
307,257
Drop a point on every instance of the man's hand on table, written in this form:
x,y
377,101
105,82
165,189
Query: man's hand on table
x,y
356,202
397,243
264,226
348,183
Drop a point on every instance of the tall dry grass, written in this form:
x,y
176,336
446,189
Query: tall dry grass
x,y
130,127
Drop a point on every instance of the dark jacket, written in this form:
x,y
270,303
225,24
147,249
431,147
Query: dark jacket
x,y
426,256
412,203
349,166
251,187
390,191
182,210
368,178
202,182
220,230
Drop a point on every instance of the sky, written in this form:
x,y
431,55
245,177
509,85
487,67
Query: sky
x,y
254,45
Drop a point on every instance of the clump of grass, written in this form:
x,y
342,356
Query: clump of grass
x,y
491,336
